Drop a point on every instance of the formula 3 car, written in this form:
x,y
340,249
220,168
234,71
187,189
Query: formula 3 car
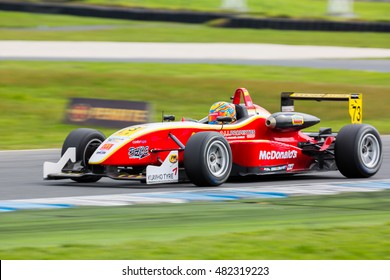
x,y
257,143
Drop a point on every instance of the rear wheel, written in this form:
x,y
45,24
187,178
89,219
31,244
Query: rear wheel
x,y
86,141
358,151
207,159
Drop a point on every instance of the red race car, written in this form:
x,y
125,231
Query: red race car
x,y
241,139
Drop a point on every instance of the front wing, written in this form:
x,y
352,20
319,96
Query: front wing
x,y
167,172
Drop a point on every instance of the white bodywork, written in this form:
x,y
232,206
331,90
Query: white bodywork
x,y
55,168
168,172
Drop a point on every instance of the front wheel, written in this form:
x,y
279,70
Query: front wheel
x,y
86,141
207,159
358,151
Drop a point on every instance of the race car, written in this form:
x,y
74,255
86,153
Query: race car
x,y
206,153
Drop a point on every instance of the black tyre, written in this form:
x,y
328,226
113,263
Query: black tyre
x,y
358,151
207,159
86,141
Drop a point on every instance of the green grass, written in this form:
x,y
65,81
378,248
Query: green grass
x,y
349,226
264,8
13,27
34,95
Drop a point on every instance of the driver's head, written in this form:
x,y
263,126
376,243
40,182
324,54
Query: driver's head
x,y
221,109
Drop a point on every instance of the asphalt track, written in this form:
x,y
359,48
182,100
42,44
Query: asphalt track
x,y
21,178
369,59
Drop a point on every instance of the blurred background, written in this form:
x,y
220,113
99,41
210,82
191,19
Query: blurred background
x,y
35,94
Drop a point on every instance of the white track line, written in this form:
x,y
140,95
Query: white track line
x,y
226,51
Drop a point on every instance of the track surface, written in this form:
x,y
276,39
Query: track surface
x,y
370,59
21,178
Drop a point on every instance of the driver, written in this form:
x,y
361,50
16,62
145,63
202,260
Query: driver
x,y
222,109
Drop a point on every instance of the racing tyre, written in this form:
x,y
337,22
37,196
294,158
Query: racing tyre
x,y
358,151
207,159
86,141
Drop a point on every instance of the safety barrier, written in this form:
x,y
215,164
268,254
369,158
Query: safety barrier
x,y
230,20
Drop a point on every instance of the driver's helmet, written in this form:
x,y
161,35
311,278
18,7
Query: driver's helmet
x,y
221,109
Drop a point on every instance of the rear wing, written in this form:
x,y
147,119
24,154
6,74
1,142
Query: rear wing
x,y
355,102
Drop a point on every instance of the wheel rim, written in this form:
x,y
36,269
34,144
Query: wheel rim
x,y
90,148
370,150
217,159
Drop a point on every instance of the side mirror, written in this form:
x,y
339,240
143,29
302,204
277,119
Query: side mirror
x,y
168,118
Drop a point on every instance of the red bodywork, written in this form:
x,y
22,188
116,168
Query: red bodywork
x,y
257,148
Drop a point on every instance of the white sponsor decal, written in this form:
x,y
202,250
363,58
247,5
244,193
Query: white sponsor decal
x,y
290,167
139,152
115,139
274,168
168,172
267,155
245,133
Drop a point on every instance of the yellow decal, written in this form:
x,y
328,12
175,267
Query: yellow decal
x,y
128,131
323,96
356,108
173,158
297,120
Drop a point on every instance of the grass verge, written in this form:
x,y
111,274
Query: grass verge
x,y
348,226
35,94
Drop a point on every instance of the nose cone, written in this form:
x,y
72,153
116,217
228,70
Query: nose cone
x,y
107,148
119,139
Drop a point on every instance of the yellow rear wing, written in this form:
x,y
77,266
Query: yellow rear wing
x,y
355,102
